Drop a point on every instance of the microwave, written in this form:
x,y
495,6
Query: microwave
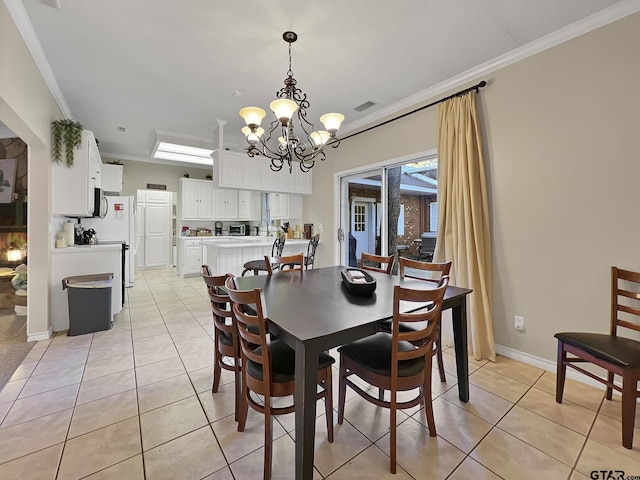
x,y
238,229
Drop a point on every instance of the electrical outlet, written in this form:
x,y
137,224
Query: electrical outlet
x,y
519,323
320,228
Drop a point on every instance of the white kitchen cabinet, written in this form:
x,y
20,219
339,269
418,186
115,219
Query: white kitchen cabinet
x,y
196,199
189,257
279,203
238,170
111,176
225,204
74,188
156,241
248,205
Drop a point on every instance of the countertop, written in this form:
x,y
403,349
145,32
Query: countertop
x,y
247,241
87,248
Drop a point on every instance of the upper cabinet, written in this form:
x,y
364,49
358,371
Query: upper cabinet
x,y
238,170
196,199
74,188
112,178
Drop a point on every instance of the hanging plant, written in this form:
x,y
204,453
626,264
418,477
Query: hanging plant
x,y
67,133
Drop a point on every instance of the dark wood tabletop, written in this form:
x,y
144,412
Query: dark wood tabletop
x,y
312,311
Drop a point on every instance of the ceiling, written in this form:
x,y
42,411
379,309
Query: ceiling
x,y
146,65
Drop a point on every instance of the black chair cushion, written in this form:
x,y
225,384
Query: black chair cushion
x,y
620,350
374,353
283,362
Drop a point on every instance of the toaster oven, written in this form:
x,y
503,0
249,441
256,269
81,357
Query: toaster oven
x,y
238,229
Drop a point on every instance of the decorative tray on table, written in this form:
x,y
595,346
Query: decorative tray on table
x,y
358,281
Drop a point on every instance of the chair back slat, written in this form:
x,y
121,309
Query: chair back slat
x,y
440,269
311,251
248,310
625,300
289,263
369,261
278,246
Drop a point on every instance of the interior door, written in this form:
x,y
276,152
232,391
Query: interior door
x,y
362,228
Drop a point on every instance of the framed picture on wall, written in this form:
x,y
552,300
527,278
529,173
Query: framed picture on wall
x,y
7,179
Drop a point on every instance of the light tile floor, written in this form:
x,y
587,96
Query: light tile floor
x,y
134,402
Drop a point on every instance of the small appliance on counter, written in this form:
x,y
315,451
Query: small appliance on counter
x,y
89,237
218,229
238,229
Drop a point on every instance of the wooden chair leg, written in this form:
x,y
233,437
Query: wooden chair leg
x,y
328,403
561,371
237,389
629,394
244,405
217,358
443,378
268,438
392,426
428,405
609,394
342,390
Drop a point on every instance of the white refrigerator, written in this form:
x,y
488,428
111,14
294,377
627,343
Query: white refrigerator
x,y
118,226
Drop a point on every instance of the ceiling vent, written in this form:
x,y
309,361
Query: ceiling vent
x,y
362,107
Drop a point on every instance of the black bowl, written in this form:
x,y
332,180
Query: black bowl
x,y
358,282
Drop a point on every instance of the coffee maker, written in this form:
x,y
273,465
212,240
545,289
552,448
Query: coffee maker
x,y
218,229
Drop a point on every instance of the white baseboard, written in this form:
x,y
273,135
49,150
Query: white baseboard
x,y
546,365
46,335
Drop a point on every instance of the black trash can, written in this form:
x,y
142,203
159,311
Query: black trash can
x,y
89,303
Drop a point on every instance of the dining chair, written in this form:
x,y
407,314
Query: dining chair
x,y
311,251
369,261
259,265
225,341
270,367
618,355
396,361
288,263
430,272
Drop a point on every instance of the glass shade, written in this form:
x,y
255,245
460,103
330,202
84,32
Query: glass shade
x,y
14,255
283,109
252,115
320,137
332,121
253,137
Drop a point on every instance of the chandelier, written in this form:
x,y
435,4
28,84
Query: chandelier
x,y
296,138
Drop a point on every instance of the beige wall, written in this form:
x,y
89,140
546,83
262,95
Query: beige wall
x,y
561,149
27,108
136,175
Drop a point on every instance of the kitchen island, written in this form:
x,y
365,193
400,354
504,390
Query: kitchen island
x,y
229,254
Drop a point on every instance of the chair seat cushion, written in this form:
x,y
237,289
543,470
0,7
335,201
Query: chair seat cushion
x,y
283,362
374,353
255,265
620,350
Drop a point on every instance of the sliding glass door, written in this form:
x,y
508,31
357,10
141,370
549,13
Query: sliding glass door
x,y
389,209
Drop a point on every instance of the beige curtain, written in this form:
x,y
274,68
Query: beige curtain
x,y
463,216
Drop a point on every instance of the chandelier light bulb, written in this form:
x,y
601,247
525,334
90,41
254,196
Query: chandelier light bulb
x,y
252,116
283,109
253,137
332,121
320,137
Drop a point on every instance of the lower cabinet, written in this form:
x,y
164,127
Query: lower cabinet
x,y
190,257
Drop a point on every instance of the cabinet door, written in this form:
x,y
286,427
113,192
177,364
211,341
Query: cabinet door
x,y
231,204
73,187
302,182
193,258
272,181
218,203
157,196
295,207
140,209
252,173
205,205
279,205
230,170
189,197
244,205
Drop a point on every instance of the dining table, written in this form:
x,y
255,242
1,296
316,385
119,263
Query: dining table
x,y
313,311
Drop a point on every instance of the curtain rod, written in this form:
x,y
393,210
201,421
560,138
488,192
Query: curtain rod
x,y
457,94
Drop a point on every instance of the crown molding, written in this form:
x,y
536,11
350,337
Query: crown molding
x,y
586,25
25,27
